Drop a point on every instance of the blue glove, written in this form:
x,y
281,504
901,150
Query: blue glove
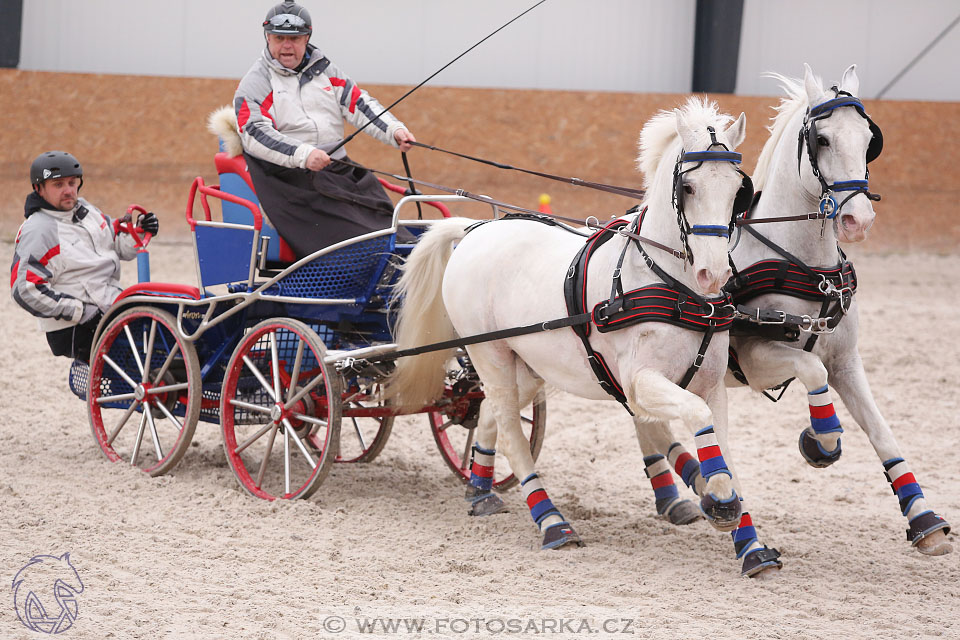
x,y
149,223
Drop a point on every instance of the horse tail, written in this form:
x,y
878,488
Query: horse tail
x,y
418,380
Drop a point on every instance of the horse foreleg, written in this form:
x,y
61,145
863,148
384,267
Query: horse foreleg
x,y
758,559
927,531
654,437
657,398
770,363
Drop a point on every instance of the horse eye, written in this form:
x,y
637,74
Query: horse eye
x,y
688,189
822,142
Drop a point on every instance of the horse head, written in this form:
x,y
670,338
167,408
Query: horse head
x,y
838,140
697,175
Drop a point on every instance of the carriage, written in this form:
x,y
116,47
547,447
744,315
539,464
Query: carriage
x,y
288,356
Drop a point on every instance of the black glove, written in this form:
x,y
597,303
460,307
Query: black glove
x,y
91,313
149,223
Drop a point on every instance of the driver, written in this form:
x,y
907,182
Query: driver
x,y
291,106
66,261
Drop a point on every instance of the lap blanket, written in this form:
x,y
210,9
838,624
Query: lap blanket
x,y
312,210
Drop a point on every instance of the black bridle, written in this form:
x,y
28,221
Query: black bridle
x,y
829,207
740,204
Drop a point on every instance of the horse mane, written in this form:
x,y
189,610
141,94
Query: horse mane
x,y
795,100
223,124
659,134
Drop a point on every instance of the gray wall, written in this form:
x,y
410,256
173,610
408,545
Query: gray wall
x,y
605,45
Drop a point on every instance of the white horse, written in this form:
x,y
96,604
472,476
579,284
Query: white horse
x,y
511,273
793,266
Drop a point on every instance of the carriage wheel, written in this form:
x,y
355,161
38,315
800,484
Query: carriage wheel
x,y
145,390
362,438
455,440
276,393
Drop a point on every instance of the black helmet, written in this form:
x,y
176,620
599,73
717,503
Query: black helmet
x,y
289,19
54,164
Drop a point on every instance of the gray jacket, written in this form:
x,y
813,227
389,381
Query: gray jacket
x,y
283,115
63,259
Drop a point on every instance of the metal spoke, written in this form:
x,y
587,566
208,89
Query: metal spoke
x,y
117,398
148,352
275,365
123,374
310,419
123,422
133,347
256,408
286,460
266,456
166,363
446,425
466,449
304,391
256,372
169,415
136,445
295,375
153,432
179,386
356,427
256,436
289,429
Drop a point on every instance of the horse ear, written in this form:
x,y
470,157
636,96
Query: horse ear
x,y
812,85
737,132
850,82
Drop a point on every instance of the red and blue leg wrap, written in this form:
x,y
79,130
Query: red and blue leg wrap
x,y
922,520
537,500
745,536
684,465
823,417
708,451
481,472
658,470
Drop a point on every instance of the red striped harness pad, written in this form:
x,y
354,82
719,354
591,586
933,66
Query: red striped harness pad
x,y
659,303
782,276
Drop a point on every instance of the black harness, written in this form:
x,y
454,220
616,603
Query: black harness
x,y
669,301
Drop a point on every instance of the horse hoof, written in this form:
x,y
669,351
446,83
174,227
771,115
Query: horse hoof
x,y
682,512
814,454
487,505
559,535
928,533
760,563
724,515
934,544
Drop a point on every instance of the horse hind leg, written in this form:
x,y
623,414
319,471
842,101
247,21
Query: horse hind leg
x,y
670,506
483,501
498,370
663,400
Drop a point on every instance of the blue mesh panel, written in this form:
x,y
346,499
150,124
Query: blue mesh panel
x,y
79,378
350,272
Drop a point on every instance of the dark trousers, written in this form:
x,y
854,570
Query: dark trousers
x,y
74,342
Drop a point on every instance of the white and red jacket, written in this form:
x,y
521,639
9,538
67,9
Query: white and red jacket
x,y
283,114
63,259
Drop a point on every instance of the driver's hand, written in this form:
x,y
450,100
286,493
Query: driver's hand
x,y
404,138
149,223
317,160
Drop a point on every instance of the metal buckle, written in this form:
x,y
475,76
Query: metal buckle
x,y
781,320
599,314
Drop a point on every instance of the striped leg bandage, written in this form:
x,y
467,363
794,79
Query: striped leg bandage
x,y
823,417
481,471
708,451
537,500
906,488
684,465
658,470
